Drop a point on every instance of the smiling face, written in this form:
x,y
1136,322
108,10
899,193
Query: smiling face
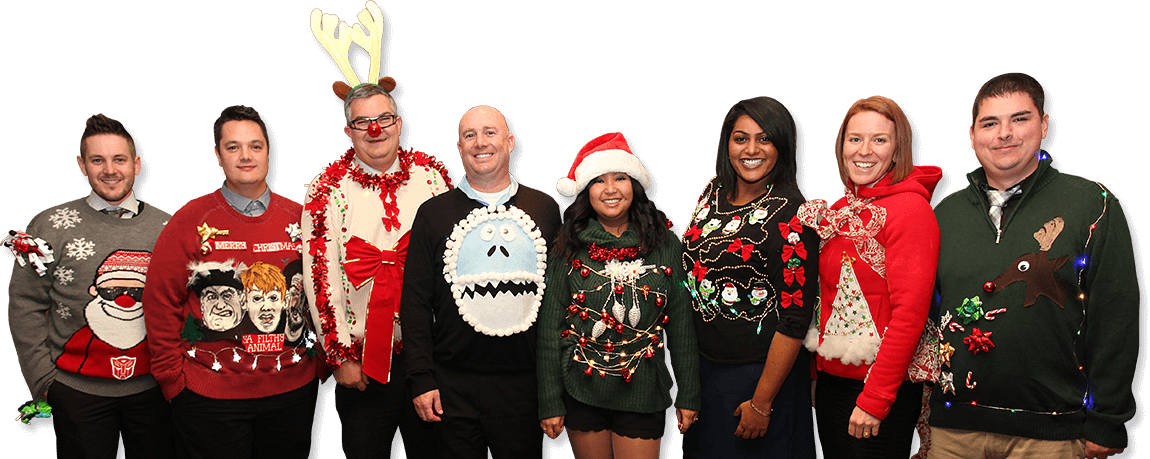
x,y
485,146
378,151
265,308
752,155
110,166
1006,136
611,195
868,147
243,154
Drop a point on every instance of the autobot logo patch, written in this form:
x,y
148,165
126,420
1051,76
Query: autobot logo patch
x,y
123,367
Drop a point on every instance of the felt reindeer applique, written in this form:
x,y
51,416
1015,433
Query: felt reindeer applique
x,y
1037,269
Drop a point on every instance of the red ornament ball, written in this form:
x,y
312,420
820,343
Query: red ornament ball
x,y
564,333
988,287
667,270
619,328
659,301
374,130
580,297
609,346
584,272
584,315
582,341
618,289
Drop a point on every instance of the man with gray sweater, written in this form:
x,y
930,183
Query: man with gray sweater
x,y
78,327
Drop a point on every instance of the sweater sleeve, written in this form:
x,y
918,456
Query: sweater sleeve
x,y
28,303
551,314
794,321
416,313
911,261
1111,330
164,300
680,327
330,315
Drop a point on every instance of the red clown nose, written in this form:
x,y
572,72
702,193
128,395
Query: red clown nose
x,y
125,301
374,130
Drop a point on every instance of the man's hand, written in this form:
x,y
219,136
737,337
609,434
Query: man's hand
x,y
428,406
350,375
1094,450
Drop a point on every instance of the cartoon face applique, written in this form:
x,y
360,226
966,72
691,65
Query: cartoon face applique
x,y
495,262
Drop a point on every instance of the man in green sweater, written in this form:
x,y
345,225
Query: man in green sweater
x,y
1037,298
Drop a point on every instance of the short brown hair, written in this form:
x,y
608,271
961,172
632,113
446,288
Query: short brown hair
x,y
1008,83
99,124
903,138
238,113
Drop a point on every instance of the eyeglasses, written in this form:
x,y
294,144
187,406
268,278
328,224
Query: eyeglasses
x,y
111,293
385,120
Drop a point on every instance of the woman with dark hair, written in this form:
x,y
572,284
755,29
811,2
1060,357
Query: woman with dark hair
x,y
613,286
878,261
747,263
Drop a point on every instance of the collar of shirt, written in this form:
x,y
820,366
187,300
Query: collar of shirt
x,y
129,204
489,199
246,206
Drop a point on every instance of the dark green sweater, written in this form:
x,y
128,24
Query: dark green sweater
x,y
1064,350
650,384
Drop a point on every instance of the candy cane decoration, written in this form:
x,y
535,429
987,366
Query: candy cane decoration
x,y
956,326
969,383
989,315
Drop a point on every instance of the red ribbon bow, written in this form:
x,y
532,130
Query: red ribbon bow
x,y
790,275
794,225
787,299
791,250
693,232
738,246
698,271
366,262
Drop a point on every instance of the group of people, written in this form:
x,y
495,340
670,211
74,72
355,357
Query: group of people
x,y
474,320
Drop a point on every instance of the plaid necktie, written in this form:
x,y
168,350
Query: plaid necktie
x,y
997,200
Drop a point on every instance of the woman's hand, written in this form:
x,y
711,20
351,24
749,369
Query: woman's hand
x,y
862,424
686,418
752,424
552,426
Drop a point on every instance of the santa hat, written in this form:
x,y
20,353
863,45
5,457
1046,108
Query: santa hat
x,y
607,153
124,264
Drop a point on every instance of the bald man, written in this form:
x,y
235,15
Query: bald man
x,y
471,291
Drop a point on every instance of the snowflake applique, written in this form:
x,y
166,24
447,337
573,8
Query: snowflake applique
x,y
64,311
65,218
80,248
64,275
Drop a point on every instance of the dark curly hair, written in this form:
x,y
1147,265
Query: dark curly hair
x,y
646,219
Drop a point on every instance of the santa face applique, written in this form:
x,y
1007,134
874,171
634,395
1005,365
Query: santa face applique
x,y
701,212
730,294
112,345
495,261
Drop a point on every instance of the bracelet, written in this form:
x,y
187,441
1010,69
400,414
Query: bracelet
x,y
765,415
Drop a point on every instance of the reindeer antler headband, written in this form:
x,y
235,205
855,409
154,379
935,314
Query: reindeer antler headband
x,y
337,36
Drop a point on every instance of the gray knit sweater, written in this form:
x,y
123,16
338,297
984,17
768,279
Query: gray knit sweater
x,y
78,324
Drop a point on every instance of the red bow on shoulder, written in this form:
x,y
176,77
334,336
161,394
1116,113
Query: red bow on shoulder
x,y
738,246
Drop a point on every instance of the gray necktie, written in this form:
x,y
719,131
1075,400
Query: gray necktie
x,y
997,200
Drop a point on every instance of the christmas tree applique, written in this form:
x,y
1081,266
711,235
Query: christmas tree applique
x,y
850,334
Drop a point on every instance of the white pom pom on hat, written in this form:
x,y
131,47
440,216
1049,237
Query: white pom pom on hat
x,y
606,153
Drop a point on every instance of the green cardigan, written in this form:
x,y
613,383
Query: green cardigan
x,y
563,362
1062,317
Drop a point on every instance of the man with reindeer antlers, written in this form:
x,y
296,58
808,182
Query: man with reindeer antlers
x,y
1037,297
357,217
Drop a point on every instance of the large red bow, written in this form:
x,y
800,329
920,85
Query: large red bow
x,y
738,246
794,225
366,262
698,271
693,232
787,299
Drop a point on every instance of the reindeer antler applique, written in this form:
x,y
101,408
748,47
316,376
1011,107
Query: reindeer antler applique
x,y
1037,269
337,37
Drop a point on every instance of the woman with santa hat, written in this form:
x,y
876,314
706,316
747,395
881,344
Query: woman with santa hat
x,y
614,287
753,286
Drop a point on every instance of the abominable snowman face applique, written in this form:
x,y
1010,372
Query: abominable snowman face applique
x,y
495,262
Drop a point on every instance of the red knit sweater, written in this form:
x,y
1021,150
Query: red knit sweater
x,y
242,362
898,304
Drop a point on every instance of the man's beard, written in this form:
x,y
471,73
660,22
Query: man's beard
x,y
122,333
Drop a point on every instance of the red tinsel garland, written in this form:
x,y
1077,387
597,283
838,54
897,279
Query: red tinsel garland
x,y
316,204
601,254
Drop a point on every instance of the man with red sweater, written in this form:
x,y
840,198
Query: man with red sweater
x,y
246,381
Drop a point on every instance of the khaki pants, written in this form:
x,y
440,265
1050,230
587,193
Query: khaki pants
x,y
966,444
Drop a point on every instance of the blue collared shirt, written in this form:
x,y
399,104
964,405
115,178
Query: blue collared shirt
x,y
246,206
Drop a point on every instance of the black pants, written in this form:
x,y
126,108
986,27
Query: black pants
x,y
835,399
90,426
275,427
370,418
496,411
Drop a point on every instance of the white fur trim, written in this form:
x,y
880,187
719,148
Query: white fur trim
x,y
605,161
850,351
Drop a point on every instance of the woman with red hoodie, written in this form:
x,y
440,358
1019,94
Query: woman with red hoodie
x,y
876,273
